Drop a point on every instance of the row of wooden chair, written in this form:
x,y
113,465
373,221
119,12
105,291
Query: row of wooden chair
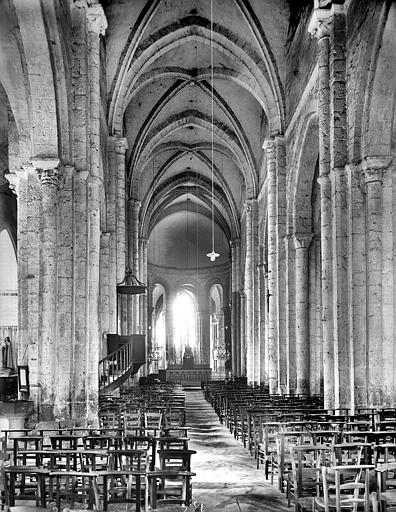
x,y
142,462
326,460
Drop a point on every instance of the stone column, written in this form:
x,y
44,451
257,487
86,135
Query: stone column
x,y
290,265
170,347
96,26
302,242
143,297
243,354
249,291
105,315
48,172
263,316
338,158
80,287
121,145
320,28
199,337
272,269
374,168
133,258
357,283
235,284
115,306
280,159
205,334
64,313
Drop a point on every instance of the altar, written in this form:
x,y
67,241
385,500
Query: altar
x,y
192,376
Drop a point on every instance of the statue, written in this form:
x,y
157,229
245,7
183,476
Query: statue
x,y
7,354
188,358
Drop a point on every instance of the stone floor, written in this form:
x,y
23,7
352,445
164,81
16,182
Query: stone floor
x,y
226,476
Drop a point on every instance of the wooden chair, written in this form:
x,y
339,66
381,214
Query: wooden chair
x,y
153,422
132,421
32,442
352,453
344,487
122,486
26,483
178,460
304,478
128,460
168,486
385,498
75,489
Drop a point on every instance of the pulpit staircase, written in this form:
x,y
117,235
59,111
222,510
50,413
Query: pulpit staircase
x,y
119,365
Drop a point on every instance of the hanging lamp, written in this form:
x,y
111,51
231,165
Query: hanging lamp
x,y
131,285
213,254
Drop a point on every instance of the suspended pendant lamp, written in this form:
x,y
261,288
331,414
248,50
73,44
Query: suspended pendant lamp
x,y
213,254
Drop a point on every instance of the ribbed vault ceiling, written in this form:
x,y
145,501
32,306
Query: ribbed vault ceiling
x,y
160,98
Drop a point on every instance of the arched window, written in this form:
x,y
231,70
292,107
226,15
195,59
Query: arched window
x,y
185,314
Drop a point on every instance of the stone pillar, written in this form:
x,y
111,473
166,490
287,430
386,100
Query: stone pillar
x,y
133,258
302,242
235,284
115,306
65,303
199,337
96,26
205,334
263,317
48,172
243,353
143,297
170,347
121,145
319,27
106,284
80,286
338,159
249,291
374,168
281,262
357,283
273,366
291,385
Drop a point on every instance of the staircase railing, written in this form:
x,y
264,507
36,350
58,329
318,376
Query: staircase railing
x,y
120,364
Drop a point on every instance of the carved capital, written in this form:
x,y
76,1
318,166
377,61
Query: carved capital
x,y
248,207
50,177
14,179
96,19
302,240
47,170
121,145
374,168
269,144
320,23
235,243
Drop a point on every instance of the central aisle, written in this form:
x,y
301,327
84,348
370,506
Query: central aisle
x,y
227,478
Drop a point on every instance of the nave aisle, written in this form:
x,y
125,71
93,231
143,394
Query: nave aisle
x,y
226,477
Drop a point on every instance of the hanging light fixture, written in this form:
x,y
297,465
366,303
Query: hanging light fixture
x,y
212,255
131,285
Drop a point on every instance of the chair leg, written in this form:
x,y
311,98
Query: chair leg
x,y
375,502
